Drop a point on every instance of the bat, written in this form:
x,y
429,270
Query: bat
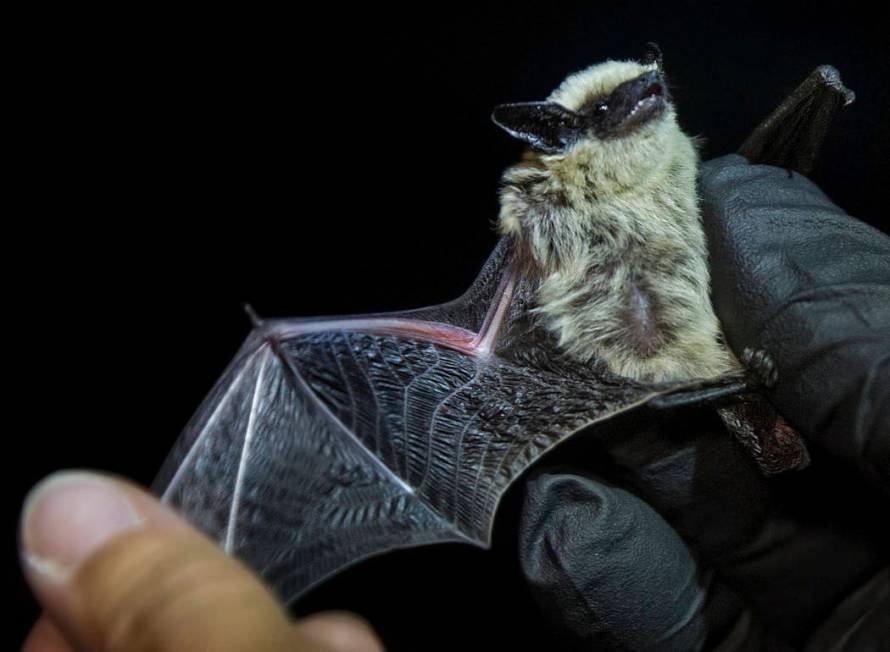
x,y
330,440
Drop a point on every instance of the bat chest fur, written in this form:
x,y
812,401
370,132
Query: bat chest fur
x,y
638,300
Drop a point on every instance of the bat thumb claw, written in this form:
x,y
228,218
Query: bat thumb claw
x,y
254,318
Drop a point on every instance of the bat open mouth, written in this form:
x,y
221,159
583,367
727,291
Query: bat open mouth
x,y
645,99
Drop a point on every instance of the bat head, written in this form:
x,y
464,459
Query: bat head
x,y
617,113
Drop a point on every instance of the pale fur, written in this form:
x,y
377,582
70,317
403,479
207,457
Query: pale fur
x,y
614,232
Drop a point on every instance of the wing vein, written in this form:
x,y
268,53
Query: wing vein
x,y
245,453
372,392
352,402
376,461
460,452
406,389
432,427
186,461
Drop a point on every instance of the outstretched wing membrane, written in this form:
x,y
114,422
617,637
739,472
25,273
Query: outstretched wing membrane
x,y
328,441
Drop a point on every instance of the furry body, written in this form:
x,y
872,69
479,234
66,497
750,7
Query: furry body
x,y
611,229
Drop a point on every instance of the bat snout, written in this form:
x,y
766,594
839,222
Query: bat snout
x,y
637,101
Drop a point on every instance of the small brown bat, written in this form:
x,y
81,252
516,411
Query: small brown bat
x,y
329,440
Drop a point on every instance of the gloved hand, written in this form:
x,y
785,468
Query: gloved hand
x,y
698,549
796,276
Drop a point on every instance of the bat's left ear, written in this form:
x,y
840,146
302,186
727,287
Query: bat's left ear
x,y
546,126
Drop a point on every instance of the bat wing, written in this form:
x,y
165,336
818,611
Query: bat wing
x,y
792,135
328,441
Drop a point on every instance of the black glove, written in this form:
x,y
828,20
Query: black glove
x,y
795,275
718,554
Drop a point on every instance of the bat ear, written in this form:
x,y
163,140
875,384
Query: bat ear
x,y
546,126
653,55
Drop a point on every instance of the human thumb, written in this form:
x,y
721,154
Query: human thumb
x,y
116,570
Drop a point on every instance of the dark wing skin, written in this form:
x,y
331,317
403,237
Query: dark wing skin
x,y
328,441
793,134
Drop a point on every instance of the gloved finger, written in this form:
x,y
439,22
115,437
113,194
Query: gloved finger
x,y
786,563
860,622
795,275
116,570
611,573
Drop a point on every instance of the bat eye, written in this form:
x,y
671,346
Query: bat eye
x,y
601,107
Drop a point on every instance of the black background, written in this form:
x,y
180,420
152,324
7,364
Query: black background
x,y
176,165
